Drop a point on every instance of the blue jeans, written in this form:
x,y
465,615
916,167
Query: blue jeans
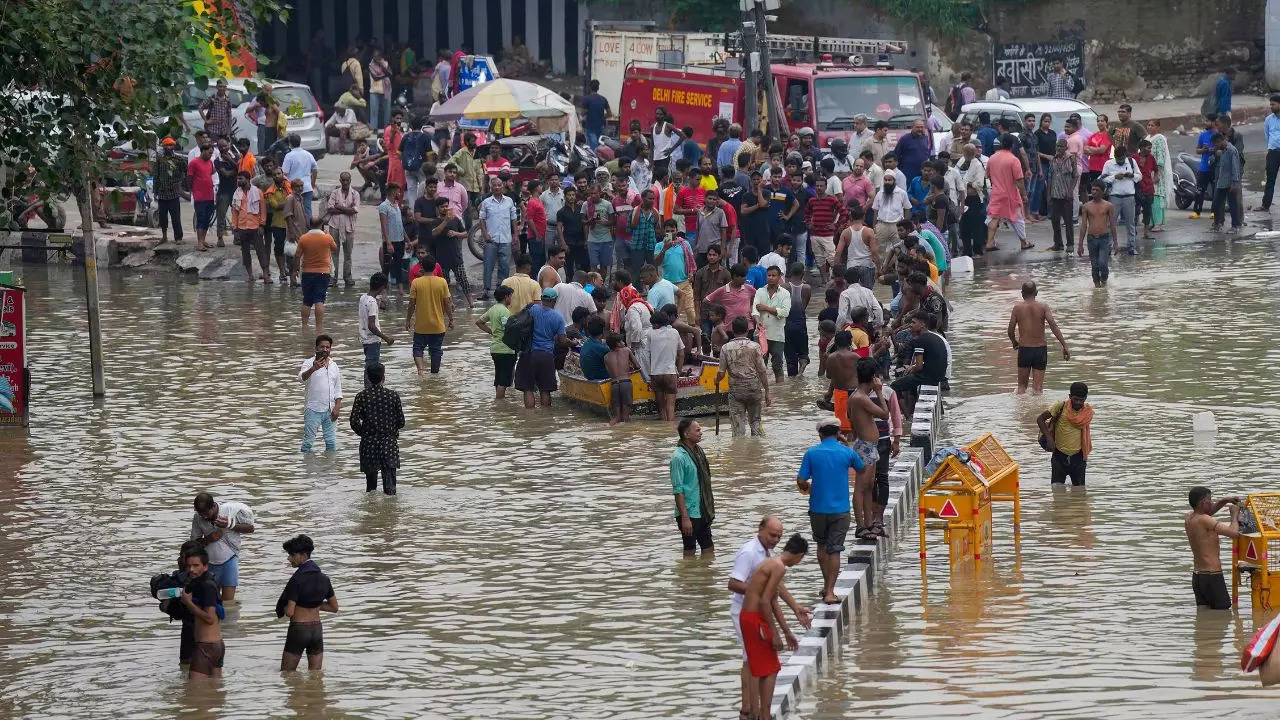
x,y
600,255
306,206
496,253
433,344
310,421
228,573
379,108
1126,218
593,139
372,356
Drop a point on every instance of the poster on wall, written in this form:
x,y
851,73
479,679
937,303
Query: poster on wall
x,y
1027,64
13,356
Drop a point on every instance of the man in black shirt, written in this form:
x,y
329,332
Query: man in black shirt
x,y
929,362
426,217
570,228
445,236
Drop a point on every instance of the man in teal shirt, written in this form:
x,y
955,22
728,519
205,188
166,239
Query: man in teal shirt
x,y
691,485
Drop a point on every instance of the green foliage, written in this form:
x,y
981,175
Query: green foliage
x,y
83,75
947,17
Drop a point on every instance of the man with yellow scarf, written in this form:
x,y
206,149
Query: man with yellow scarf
x,y
1065,428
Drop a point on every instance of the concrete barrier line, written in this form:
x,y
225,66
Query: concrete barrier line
x,y
821,644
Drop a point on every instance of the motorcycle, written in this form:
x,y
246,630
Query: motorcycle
x,y
1186,188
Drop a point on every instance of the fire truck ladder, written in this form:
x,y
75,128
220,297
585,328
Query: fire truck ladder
x,y
816,46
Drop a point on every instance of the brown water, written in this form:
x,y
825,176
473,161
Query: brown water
x,y
529,567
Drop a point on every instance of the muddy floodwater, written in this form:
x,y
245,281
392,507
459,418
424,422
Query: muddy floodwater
x,y
530,567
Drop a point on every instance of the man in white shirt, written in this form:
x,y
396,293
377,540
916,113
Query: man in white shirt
x,y
855,296
891,204
778,258
323,384
572,295
749,556
553,201
219,528
301,165
861,133
1120,171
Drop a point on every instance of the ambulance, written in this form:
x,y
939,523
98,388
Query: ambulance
x,y
839,79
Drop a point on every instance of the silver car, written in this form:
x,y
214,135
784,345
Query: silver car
x,y
309,127
1016,108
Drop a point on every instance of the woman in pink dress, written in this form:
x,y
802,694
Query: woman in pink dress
x,y
391,137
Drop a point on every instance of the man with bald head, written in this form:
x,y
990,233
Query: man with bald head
x,y
1026,332
750,555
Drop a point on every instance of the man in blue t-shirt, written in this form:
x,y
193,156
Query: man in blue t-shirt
x,y
824,477
595,110
986,134
594,350
536,368
1204,173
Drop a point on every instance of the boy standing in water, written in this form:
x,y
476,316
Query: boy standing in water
x,y
759,605
1202,534
201,598
305,595
863,412
619,361
1098,226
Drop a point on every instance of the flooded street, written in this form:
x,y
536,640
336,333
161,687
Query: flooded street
x,y
530,567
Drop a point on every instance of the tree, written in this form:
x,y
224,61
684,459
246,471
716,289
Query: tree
x,y
84,74
81,75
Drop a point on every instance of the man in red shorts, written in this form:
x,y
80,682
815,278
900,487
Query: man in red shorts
x,y
759,605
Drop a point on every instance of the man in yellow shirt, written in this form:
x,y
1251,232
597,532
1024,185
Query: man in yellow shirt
x,y
1065,428
524,289
430,315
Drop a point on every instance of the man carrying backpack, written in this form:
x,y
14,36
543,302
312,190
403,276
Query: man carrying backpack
x,y
536,368
961,94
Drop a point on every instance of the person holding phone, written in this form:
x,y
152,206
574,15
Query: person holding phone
x,y
323,383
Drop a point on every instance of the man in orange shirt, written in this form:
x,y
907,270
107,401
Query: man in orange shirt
x,y
248,163
312,258
248,215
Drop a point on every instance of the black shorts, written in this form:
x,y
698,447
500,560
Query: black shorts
x,y
829,530
308,636
1211,590
880,493
536,371
701,536
315,288
504,369
1036,358
1062,466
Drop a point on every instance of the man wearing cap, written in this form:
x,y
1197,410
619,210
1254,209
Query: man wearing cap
x,y
808,151
215,111
536,368
170,172
824,477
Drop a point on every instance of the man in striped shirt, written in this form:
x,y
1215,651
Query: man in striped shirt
x,y
822,215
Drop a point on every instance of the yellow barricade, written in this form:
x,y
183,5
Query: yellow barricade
x,y
1251,553
957,499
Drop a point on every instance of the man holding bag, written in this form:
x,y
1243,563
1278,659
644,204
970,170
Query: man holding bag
x,y
1064,430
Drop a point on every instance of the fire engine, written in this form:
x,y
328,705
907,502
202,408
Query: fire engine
x,y
822,83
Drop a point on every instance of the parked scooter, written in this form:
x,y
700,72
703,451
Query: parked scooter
x,y
1186,188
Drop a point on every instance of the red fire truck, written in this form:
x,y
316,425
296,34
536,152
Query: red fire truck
x,y
821,93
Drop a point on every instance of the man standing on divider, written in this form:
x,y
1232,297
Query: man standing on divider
x,y
760,602
824,477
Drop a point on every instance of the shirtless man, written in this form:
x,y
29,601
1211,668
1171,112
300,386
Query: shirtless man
x,y
863,412
201,598
840,367
759,604
1098,218
1026,332
1202,534
620,362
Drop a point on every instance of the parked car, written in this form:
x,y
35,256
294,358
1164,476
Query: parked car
x,y
1016,108
310,127
941,128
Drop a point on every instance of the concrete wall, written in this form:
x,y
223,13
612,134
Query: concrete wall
x,y
1136,50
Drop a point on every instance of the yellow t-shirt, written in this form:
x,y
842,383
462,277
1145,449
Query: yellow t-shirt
x,y
1066,436
524,290
708,182
429,293
933,271
860,338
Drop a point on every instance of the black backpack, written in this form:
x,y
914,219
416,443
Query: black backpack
x,y
169,606
519,330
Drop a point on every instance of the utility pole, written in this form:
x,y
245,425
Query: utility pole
x,y
766,73
750,68
91,289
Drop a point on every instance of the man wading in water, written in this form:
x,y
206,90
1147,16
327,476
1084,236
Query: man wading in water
x,y
1202,534
1026,332
759,606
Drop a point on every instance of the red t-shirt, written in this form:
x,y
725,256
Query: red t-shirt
x,y
200,173
1147,183
536,214
416,271
1096,162
494,169
689,201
